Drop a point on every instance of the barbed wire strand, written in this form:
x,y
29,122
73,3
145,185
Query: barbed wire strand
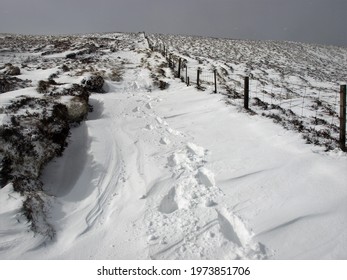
x,y
303,103
334,110
318,100
256,89
281,96
208,79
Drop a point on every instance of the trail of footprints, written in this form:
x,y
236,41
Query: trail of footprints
x,y
189,222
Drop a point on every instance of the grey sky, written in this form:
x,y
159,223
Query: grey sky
x,y
320,21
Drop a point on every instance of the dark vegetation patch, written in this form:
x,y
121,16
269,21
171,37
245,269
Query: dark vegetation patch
x,y
158,73
290,121
10,83
37,131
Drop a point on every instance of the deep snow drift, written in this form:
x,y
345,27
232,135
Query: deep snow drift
x,y
179,174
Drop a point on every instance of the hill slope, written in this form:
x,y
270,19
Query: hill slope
x,y
175,173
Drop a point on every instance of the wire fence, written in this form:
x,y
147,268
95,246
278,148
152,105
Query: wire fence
x,y
312,110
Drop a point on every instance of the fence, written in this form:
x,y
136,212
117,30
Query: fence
x,y
319,113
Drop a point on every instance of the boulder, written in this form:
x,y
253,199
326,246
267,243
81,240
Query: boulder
x,y
12,70
77,109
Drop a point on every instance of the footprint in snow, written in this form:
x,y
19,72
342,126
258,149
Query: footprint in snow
x,y
173,132
205,177
168,204
152,237
161,121
209,202
195,150
228,230
165,141
149,127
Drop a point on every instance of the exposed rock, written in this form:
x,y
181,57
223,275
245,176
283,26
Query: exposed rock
x,y
12,70
77,109
94,83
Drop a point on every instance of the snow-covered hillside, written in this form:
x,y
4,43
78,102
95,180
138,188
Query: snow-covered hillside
x,y
159,170
297,85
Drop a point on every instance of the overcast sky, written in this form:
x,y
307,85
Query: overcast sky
x,y
320,21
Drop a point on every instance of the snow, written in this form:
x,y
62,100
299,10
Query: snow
x,y
165,141
5,98
205,177
179,174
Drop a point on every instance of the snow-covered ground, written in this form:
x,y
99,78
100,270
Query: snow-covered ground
x,y
179,174
295,84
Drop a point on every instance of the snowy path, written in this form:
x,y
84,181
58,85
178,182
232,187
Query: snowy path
x,y
178,174
292,195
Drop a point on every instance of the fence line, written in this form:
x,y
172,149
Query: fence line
x,y
297,100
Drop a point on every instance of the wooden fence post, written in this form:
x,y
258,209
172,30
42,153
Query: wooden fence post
x,y
246,93
343,118
215,80
186,73
188,84
198,78
179,68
